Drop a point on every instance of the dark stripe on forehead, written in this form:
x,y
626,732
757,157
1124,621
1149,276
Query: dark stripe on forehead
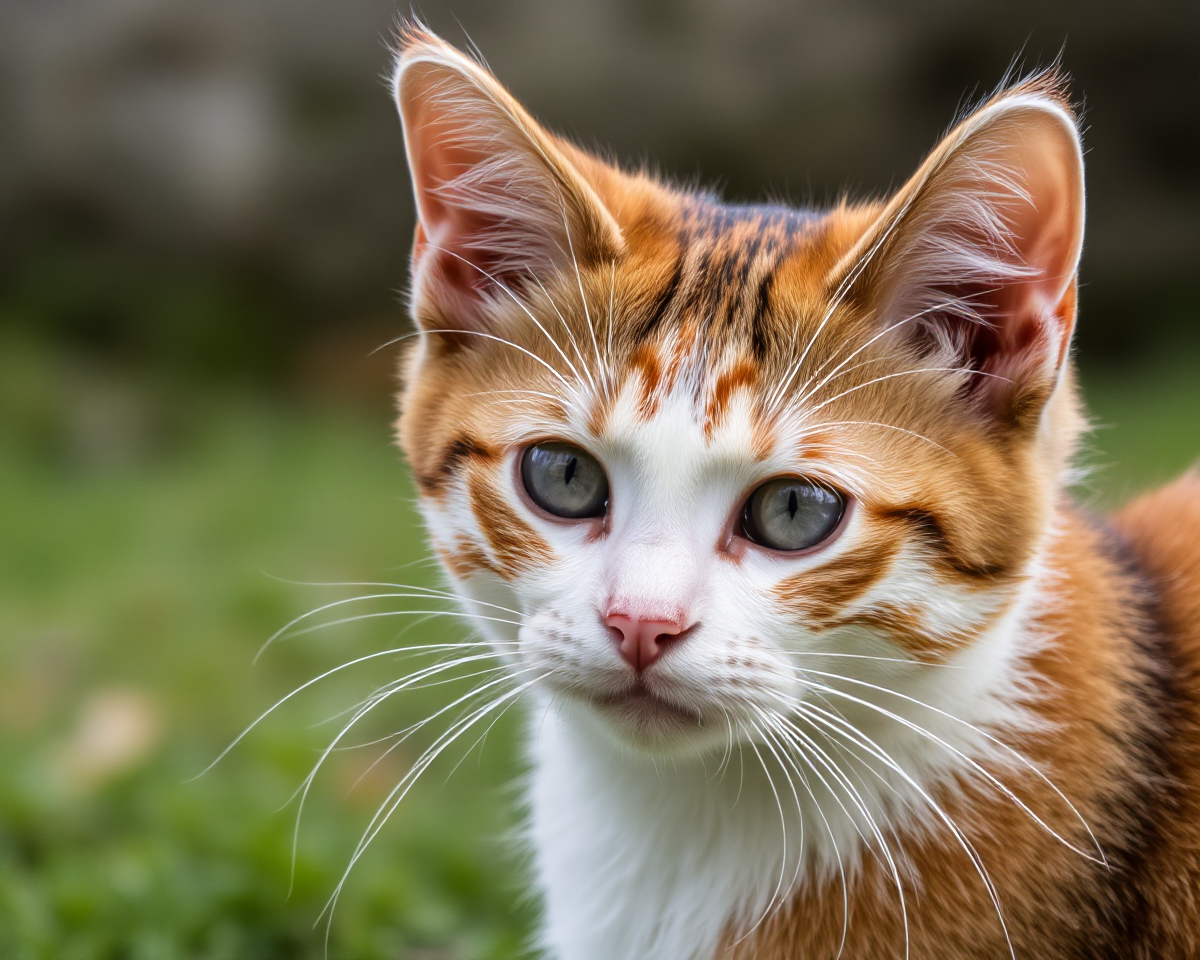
x,y
658,308
758,326
722,280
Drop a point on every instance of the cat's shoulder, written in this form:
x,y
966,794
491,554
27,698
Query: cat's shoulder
x,y
1163,529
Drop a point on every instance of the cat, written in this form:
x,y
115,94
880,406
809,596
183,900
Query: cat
x,y
766,512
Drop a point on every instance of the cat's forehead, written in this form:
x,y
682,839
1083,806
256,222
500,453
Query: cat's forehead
x,y
726,262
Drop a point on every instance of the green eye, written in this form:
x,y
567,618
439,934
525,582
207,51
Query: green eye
x,y
791,513
565,481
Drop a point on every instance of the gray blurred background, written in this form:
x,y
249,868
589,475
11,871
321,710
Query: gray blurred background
x,y
218,185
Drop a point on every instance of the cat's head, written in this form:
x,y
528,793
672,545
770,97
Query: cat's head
x,y
702,449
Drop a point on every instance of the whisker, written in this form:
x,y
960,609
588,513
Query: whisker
x,y
517,300
782,824
769,909
969,848
885,426
432,591
839,295
579,279
401,790
317,679
902,373
428,614
905,661
860,804
563,322
917,728
284,630
807,392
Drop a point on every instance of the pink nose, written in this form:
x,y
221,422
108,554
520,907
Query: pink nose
x,y
642,640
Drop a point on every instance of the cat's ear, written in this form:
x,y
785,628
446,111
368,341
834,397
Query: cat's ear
x,y
974,261
499,200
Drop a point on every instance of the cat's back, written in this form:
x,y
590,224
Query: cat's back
x,y
1163,530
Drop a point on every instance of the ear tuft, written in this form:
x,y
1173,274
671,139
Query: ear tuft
x,y
499,202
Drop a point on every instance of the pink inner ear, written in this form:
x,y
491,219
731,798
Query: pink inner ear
x,y
996,234
1034,321
489,192
451,235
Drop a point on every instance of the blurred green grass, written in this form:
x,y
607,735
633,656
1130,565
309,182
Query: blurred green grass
x,y
152,536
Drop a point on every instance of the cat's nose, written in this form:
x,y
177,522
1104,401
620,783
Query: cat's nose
x,y
641,641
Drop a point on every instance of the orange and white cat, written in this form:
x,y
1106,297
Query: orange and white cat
x,y
825,661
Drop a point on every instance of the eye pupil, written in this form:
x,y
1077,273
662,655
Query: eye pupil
x,y
564,480
791,513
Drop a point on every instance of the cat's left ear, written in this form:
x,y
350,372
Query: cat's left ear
x,y
500,202
973,263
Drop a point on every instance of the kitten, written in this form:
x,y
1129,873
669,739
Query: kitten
x,y
824,659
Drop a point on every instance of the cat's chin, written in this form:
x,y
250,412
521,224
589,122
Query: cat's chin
x,y
646,721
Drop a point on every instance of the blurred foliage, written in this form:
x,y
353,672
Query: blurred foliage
x,y
144,531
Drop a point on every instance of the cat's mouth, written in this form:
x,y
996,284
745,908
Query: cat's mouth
x,y
641,708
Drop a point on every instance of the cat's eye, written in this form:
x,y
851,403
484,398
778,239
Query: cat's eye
x,y
564,480
791,513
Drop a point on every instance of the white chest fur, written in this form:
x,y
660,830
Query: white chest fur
x,y
638,860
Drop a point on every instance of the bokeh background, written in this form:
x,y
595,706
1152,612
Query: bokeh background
x,y
204,220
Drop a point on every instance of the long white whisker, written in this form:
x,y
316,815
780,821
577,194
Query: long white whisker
x,y
562,320
860,804
885,426
462,614
579,279
782,823
487,336
401,790
431,591
902,373
770,743
317,679
809,392
917,728
777,904
370,704
849,730
839,295
348,600
906,661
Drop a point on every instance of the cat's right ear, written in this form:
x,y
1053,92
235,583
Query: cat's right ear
x,y
499,201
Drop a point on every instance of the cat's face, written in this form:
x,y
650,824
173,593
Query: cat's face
x,y
692,460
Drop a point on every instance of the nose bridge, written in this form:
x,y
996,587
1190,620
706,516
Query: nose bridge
x,y
654,577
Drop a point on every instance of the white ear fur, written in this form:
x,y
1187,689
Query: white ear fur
x,y
976,257
498,200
